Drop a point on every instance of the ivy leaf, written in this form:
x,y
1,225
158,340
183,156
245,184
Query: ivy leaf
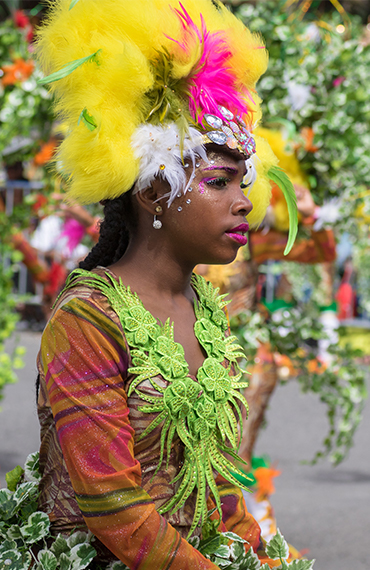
x,y
277,548
24,492
222,552
36,528
78,537
64,562
7,545
32,467
251,561
14,532
234,537
15,560
13,477
8,505
59,546
302,564
47,560
81,555
210,545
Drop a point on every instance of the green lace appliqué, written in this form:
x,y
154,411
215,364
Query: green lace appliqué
x,y
204,414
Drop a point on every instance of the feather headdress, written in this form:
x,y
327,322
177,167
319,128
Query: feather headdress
x,y
128,75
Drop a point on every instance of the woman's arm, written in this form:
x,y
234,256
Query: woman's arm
x,y
85,361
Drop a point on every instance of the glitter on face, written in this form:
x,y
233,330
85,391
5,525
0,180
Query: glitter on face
x,y
179,209
188,201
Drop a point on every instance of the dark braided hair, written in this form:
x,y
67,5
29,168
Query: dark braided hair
x,y
120,218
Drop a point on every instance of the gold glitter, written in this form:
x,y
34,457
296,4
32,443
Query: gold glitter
x,y
162,167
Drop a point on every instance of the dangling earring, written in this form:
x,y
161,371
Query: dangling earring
x,y
157,224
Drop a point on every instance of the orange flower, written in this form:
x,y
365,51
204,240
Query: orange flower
x,y
18,72
265,485
308,136
45,153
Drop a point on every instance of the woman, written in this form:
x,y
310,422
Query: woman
x,y
139,398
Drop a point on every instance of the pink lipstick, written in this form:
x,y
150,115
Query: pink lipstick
x,y
237,234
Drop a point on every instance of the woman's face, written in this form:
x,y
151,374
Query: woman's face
x,y
208,224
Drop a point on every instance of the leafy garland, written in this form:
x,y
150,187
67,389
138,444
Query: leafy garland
x,y
27,542
340,385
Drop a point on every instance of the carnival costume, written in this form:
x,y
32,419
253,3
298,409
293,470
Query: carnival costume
x,y
143,87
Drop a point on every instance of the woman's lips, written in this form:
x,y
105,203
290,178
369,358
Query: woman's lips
x,y
237,234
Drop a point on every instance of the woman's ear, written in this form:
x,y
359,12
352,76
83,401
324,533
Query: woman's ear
x,y
153,196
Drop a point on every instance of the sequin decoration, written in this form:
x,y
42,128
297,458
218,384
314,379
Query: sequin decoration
x,y
234,127
217,137
227,131
232,132
225,113
232,142
213,121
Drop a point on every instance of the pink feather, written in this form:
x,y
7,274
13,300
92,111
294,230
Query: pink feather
x,y
212,82
74,232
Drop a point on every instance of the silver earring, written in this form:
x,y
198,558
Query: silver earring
x,y
157,224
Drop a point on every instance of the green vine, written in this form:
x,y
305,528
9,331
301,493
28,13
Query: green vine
x,y
27,541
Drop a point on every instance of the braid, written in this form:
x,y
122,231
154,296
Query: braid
x,y
119,218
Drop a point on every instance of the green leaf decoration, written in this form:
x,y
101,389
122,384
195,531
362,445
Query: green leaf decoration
x,y
88,120
13,477
277,548
73,4
277,175
47,560
69,68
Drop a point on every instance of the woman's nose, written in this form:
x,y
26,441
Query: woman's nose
x,y
242,205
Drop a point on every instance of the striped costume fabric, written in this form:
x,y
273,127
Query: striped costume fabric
x,y
95,472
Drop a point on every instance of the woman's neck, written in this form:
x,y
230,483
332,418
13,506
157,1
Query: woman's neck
x,y
154,272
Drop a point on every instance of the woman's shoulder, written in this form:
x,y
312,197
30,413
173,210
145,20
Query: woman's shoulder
x,y
84,294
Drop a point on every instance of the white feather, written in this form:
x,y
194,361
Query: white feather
x,y
158,150
251,174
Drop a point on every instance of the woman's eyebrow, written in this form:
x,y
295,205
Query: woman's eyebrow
x,y
228,169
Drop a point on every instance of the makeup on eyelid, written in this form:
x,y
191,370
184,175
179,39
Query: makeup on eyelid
x,y
208,181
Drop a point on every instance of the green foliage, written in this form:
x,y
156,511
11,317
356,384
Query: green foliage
x,y
341,386
216,547
334,70
22,527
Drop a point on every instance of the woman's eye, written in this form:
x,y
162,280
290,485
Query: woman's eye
x,y
220,182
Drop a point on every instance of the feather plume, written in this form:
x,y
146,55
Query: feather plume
x,y
158,150
211,81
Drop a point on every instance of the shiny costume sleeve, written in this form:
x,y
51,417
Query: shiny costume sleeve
x,y
85,363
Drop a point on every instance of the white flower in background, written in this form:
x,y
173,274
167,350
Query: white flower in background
x,y
312,33
298,94
329,213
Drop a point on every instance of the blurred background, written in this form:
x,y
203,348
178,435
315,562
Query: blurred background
x,y
304,319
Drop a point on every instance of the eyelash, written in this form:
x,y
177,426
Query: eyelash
x,y
221,181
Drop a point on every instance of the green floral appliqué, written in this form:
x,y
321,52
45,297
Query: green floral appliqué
x,y
169,357
140,326
215,378
204,414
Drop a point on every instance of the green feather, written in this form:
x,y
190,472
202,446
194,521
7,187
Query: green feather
x,y
72,4
69,68
277,175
